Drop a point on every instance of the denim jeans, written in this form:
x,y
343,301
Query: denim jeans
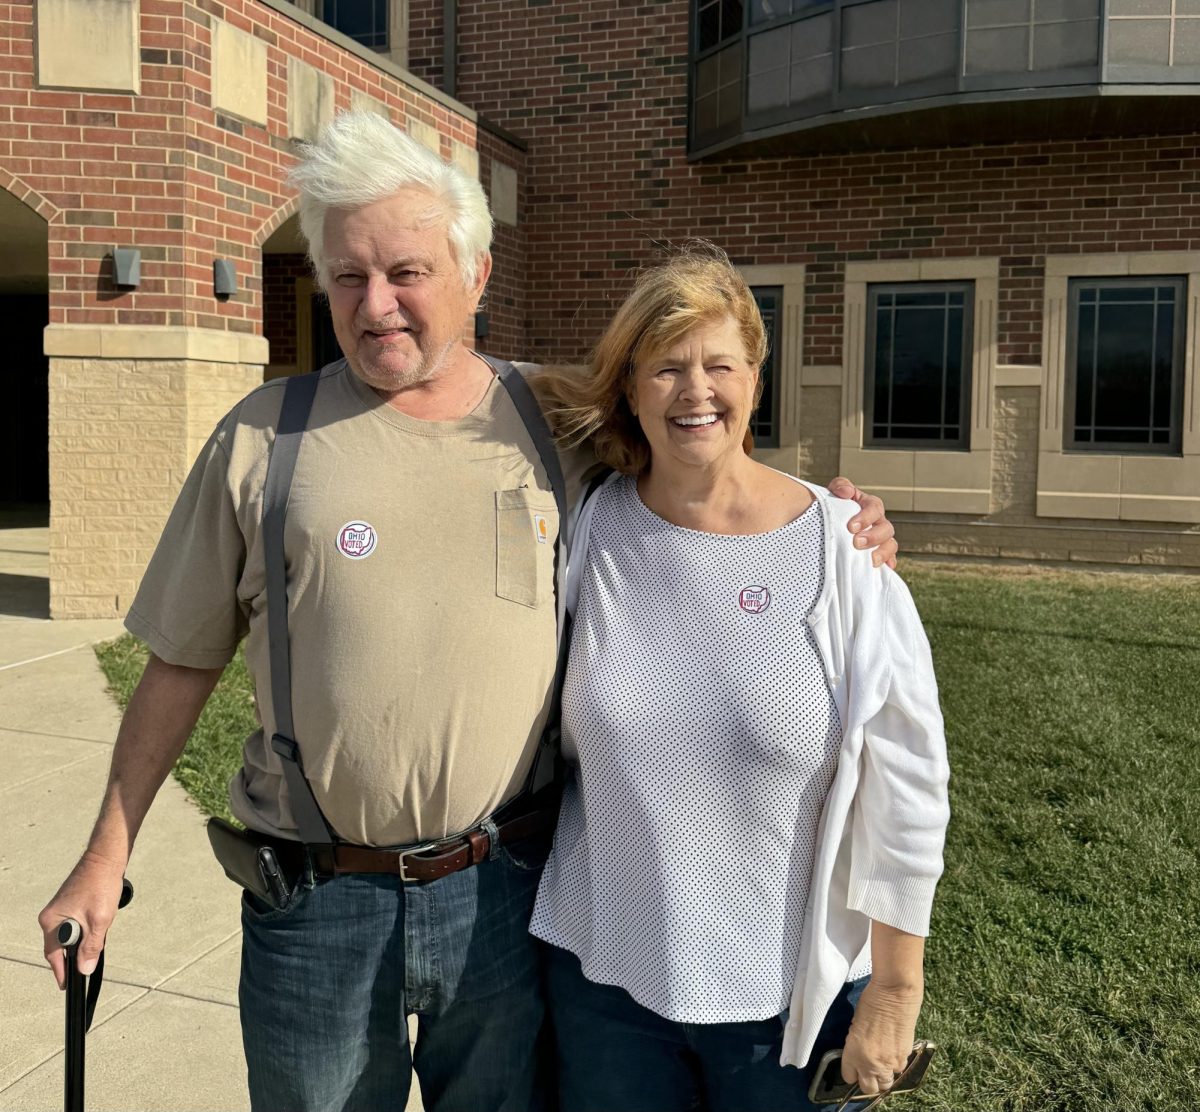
x,y
615,1054
327,986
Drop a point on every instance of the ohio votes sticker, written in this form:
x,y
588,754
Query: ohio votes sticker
x,y
356,540
754,600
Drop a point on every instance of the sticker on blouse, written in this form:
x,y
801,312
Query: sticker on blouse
x,y
754,600
356,540
541,528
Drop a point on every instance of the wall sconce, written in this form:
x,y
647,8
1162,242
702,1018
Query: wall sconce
x,y
127,267
481,325
224,278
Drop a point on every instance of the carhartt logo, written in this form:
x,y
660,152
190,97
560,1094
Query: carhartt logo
x,y
754,600
541,528
356,539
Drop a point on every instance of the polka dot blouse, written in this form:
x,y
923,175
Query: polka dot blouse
x,y
701,739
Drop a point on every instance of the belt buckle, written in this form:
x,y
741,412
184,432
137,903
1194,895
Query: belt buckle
x,y
404,877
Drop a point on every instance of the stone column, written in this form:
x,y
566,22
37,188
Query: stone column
x,y
130,409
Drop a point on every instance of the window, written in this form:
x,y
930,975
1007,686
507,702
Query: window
x,y
1124,380
365,21
716,21
764,425
918,365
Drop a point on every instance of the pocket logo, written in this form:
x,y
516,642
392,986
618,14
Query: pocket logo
x,y
356,540
754,600
541,529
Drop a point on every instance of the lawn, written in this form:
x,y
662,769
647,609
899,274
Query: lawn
x,y
1064,960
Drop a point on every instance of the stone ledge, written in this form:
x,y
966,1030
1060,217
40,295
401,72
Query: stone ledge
x,y
118,341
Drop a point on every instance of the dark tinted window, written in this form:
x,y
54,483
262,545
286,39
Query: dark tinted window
x,y
918,374
1125,364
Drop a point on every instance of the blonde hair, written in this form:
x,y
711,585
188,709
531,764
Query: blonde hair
x,y
696,286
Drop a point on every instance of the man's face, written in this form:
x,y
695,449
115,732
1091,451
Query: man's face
x,y
395,291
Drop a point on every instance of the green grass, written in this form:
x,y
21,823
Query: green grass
x,y
214,751
1063,967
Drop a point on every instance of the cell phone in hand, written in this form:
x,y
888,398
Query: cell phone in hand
x,y
829,1087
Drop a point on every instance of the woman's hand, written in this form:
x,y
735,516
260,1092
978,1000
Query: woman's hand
x,y
881,1036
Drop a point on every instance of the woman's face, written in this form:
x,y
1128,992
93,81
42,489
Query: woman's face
x,y
694,398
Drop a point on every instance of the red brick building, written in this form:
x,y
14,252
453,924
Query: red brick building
x,y
972,226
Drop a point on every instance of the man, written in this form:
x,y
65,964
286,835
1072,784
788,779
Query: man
x,y
421,605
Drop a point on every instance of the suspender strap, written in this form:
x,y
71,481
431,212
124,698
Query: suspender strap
x,y
298,398
545,769
539,432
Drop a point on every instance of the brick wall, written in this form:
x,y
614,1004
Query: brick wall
x,y
600,95
279,305
166,172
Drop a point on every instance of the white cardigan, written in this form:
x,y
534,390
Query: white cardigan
x,y
879,842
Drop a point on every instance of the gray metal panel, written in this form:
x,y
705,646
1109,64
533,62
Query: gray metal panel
x,y
928,17
1139,41
1139,7
934,56
1060,45
867,24
996,13
869,67
997,50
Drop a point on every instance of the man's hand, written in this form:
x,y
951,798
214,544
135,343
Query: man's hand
x,y
161,714
870,525
89,896
881,1036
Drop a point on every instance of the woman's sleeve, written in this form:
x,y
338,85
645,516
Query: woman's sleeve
x,y
901,808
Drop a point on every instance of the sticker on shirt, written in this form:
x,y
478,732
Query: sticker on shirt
x,y
541,528
754,600
356,540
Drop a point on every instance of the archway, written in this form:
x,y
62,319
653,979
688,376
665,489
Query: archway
x,y
24,417
295,315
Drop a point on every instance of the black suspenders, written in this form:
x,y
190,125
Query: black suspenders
x,y
298,395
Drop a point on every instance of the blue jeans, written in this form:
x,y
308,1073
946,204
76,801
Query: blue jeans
x,y
615,1054
328,984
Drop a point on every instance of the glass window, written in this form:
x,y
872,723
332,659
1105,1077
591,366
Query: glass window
x,y
365,21
1125,364
716,21
918,365
764,425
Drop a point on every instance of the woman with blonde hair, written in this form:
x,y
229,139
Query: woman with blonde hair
x,y
756,796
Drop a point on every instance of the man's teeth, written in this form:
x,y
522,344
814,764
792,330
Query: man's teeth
x,y
707,419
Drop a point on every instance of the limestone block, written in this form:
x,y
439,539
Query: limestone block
x,y
310,101
88,44
363,102
426,134
504,193
465,158
239,73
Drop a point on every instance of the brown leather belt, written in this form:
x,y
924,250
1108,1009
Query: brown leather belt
x,y
433,860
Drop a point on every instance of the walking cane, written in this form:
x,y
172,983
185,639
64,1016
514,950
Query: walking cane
x,y
82,994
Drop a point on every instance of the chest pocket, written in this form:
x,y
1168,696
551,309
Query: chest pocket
x,y
526,531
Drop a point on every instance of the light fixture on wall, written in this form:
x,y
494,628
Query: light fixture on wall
x,y
127,267
224,278
481,325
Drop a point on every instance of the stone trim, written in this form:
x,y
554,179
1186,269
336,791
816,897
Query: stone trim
x,y
119,341
914,479
1017,376
371,57
1111,486
789,276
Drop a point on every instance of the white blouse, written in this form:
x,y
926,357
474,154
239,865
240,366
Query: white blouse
x,y
701,738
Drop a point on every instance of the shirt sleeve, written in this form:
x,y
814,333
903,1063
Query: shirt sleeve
x,y
187,608
902,807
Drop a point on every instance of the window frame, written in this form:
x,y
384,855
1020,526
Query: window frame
x,y
963,442
775,357
1174,444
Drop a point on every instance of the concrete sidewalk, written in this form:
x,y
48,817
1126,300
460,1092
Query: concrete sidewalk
x,y
166,1032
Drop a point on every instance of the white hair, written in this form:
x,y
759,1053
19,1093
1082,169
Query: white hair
x,y
361,158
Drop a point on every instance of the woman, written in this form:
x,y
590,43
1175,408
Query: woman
x,y
756,800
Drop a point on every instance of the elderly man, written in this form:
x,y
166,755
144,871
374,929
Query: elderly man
x,y
420,609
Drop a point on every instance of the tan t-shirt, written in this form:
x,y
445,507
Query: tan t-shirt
x,y
421,605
